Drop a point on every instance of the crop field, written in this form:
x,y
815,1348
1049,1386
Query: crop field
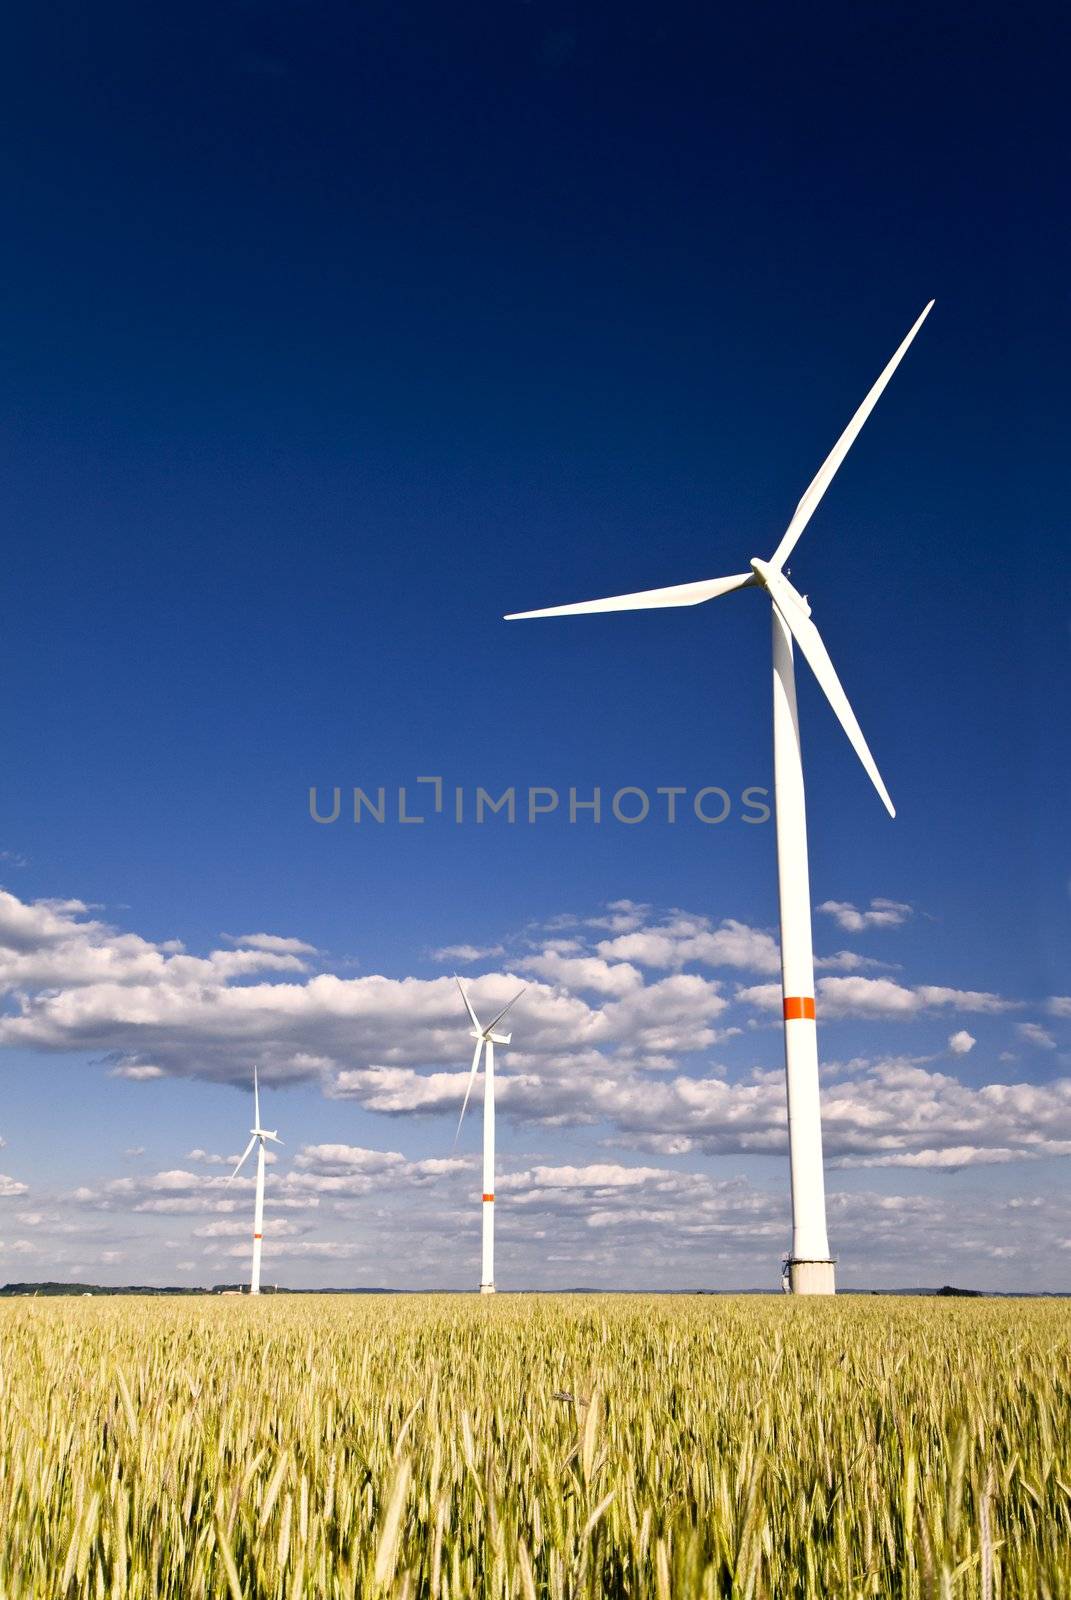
x,y
535,1446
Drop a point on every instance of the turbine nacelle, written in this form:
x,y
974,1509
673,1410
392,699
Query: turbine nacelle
x,y
485,1037
768,576
256,1132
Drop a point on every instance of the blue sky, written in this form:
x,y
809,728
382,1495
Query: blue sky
x,y
332,335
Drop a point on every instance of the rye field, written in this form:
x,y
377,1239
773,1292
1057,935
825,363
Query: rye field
x,y
532,1446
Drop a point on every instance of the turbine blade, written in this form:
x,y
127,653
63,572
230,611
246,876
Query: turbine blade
x,y
502,1013
680,594
256,1100
826,472
468,1086
242,1161
468,1006
809,640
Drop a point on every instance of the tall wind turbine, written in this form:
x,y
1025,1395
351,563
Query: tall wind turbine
x,y
259,1136
810,1268
486,1039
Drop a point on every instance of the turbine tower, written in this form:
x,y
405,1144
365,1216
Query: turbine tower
x,y
810,1268
259,1135
486,1039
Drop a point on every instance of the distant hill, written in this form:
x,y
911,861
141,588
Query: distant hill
x,y
43,1289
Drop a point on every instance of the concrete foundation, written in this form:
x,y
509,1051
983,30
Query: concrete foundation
x,y
811,1277
487,1288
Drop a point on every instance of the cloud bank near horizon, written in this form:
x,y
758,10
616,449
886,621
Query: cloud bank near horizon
x,y
618,1027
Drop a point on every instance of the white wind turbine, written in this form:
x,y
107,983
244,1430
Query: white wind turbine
x,y
486,1039
810,1269
259,1135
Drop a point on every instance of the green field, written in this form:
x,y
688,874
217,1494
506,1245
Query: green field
x,y
535,1446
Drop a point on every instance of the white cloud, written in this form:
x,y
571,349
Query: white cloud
x,y
882,914
879,998
848,961
48,944
11,1186
620,916
157,1013
238,1227
333,1159
177,1191
274,943
685,939
599,1041
341,1170
590,973
466,953
1036,1035
953,1158
1059,1005
382,1217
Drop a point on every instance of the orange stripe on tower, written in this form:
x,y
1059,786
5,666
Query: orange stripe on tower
x,y
488,1196
799,1005
258,1236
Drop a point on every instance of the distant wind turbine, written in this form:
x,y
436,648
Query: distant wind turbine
x,y
810,1269
260,1135
486,1039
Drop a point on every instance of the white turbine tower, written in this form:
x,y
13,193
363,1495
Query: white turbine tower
x,y
486,1039
810,1268
259,1136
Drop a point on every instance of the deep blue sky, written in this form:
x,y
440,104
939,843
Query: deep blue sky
x,y
333,332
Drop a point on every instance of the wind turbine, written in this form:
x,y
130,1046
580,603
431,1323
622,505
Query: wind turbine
x,y
259,1135
809,1267
486,1039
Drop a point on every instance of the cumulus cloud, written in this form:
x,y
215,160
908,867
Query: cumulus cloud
x,y
48,944
882,914
614,1031
151,1010
685,939
1035,1034
236,1227
848,961
879,998
591,973
177,1191
354,1214
466,953
275,943
620,916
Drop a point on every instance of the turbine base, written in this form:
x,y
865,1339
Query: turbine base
x,y
487,1288
810,1277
